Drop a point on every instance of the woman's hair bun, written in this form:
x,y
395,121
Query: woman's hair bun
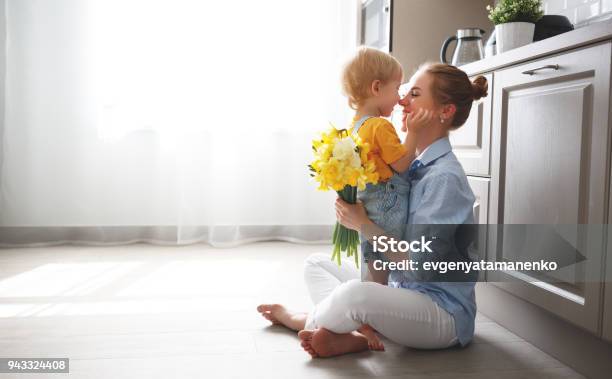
x,y
480,87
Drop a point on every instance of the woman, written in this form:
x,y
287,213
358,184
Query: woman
x,y
400,305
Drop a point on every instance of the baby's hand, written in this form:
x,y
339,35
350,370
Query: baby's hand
x,y
416,121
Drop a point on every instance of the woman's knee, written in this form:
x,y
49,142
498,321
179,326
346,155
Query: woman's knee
x,y
313,262
354,295
315,259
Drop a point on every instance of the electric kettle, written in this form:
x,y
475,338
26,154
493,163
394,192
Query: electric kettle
x,y
469,46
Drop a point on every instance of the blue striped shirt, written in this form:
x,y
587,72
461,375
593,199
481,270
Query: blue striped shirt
x,y
440,194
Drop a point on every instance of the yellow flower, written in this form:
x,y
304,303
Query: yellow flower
x,y
342,159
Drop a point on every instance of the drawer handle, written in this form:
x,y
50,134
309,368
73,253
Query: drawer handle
x,y
547,67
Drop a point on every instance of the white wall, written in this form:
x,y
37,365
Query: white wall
x,y
421,26
579,12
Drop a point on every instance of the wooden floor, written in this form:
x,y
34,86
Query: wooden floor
x,y
143,311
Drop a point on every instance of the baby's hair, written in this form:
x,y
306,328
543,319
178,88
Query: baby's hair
x,y
366,66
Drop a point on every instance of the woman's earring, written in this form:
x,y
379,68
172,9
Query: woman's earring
x,y
441,120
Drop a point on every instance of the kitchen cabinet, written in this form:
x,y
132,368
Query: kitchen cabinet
x,y
471,144
607,309
472,141
480,188
549,164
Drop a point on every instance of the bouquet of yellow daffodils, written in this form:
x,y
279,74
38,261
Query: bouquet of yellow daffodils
x,y
342,164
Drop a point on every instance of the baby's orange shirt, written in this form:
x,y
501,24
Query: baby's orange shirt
x,y
385,145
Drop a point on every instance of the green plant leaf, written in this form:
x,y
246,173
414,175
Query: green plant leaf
x,y
516,11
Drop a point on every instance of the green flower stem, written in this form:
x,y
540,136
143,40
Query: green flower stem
x,y
346,240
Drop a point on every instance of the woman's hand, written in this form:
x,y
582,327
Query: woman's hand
x,y
352,216
416,121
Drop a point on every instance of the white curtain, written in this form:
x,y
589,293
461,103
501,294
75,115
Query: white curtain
x,y
172,121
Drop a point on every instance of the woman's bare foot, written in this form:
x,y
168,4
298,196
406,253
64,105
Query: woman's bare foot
x,y
323,343
306,341
279,315
374,343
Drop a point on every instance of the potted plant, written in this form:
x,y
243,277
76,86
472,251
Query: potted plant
x,y
514,22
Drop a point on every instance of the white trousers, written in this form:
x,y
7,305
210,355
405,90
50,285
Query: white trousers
x,y
343,303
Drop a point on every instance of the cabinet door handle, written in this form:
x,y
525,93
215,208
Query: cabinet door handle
x,y
547,67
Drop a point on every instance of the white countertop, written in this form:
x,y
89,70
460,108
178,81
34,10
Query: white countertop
x,y
576,38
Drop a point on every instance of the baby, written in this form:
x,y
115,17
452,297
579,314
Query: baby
x,y
371,81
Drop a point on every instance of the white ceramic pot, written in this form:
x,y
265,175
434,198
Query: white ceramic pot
x,y
513,34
